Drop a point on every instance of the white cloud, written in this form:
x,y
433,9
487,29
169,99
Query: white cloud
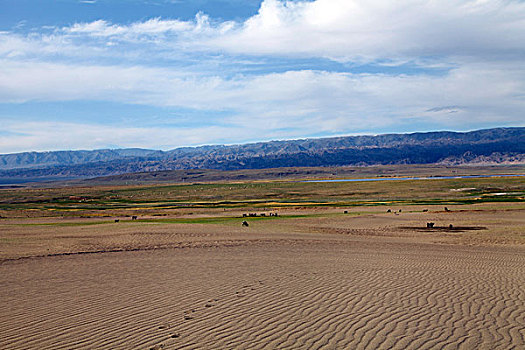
x,y
153,26
343,30
306,101
380,29
180,64
346,30
46,136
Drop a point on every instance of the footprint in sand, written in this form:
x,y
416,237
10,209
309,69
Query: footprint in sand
x,y
187,314
245,289
164,326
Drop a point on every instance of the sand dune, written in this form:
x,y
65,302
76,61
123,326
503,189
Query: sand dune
x,y
334,294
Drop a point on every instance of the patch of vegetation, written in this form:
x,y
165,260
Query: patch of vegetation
x,y
75,201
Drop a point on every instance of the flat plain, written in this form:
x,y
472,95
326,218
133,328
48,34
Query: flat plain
x,y
344,265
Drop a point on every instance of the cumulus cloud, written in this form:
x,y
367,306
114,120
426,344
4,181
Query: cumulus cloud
x,y
343,30
381,29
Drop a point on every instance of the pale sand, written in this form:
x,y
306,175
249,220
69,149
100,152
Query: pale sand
x,y
337,293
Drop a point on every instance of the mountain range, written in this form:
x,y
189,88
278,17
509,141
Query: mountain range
x,y
488,146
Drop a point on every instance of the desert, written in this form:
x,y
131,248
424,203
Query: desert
x,y
342,265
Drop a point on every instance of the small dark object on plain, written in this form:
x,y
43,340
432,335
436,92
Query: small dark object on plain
x,y
446,209
134,217
346,211
425,210
389,211
400,210
450,226
430,225
244,215
245,223
117,220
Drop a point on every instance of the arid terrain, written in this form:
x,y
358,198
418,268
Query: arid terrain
x,y
333,265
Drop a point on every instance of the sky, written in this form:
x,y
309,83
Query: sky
x,y
161,74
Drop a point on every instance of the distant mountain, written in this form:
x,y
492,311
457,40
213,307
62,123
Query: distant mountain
x,y
490,146
47,159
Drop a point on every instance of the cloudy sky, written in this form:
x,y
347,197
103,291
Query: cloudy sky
x,y
167,73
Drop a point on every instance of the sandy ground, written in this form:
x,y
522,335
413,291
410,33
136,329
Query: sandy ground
x,y
502,223
351,294
337,282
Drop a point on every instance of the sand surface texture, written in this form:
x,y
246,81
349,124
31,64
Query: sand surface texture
x,y
352,293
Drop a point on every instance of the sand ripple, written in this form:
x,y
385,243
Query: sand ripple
x,y
339,295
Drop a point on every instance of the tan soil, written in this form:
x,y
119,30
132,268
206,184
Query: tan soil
x,y
353,281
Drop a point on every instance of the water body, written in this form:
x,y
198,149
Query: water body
x,y
24,180
416,178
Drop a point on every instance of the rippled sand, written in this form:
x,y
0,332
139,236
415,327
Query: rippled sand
x,y
351,293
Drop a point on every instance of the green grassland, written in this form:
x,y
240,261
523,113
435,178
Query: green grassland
x,y
164,200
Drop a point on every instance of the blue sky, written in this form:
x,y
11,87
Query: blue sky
x,y
168,73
